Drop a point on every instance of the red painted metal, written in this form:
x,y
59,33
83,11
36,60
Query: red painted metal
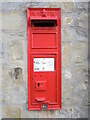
x,y
44,44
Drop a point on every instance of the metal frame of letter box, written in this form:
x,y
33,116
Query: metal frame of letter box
x,y
29,60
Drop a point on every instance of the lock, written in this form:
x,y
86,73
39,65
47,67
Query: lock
x,y
40,85
44,58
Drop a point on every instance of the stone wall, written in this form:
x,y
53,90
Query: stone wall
x,y
13,54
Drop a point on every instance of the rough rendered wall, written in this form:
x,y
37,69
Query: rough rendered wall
x,y
74,60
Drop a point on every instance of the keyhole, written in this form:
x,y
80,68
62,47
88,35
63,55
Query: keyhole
x,y
38,84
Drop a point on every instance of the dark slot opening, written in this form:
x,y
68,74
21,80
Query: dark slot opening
x,y
38,84
44,23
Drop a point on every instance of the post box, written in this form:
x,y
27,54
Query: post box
x,y
44,58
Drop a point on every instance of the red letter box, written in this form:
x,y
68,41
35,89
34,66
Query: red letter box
x,y
44,58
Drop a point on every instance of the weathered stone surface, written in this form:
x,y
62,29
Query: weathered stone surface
x,y
66,51
81,22
11,111
14,35
81,6
0,112
72,35
14,95
68,20
83,16
64,113
68,34
43,114
67,7
1,51
84,112
81,37
13,85
12,47
16,50
12,21
75,113
81,83
80,53
28,114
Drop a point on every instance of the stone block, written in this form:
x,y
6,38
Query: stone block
x,y
12,50
80,80
84,112
0,112
11,111
81,38
80,53
68,34
75,112
72,34
42,114
82,31
82,16
81,23
80,6
79,95
12,21
16,50
1,51
13,85
68,20
67,7
66,112
67,86
28,114
67,54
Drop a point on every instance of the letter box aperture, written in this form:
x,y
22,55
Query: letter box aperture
x,y
44,58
